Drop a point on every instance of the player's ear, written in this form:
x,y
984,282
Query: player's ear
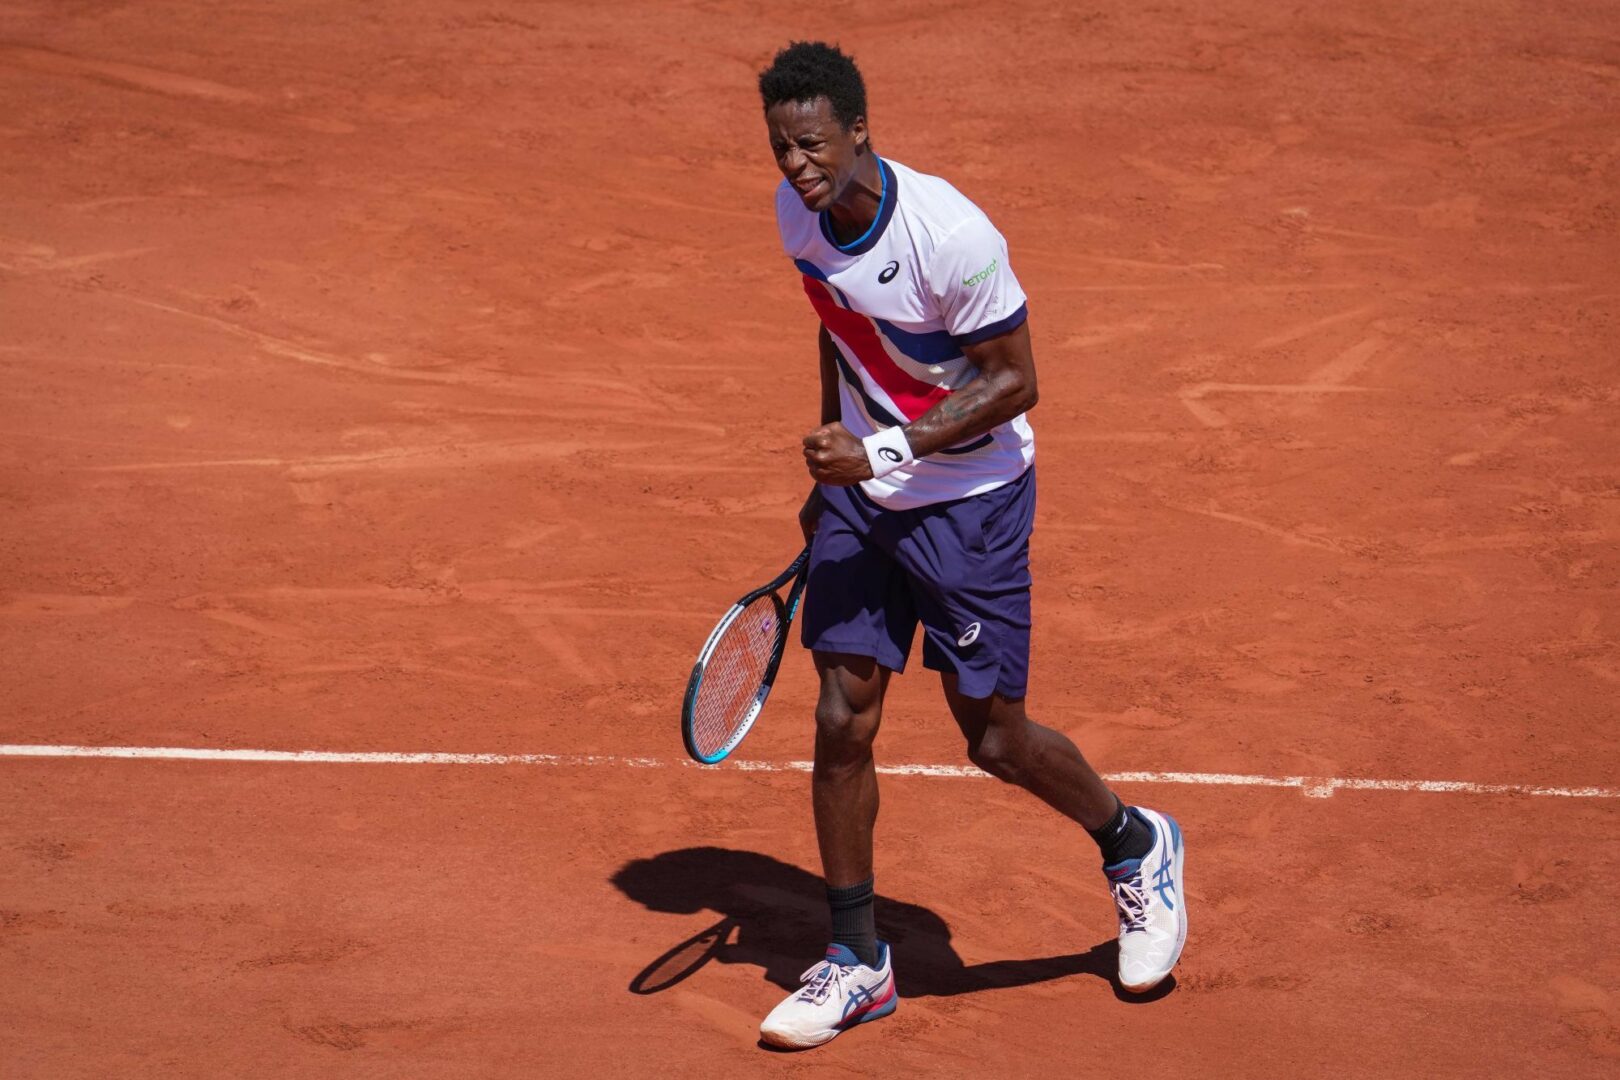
x,y
858,132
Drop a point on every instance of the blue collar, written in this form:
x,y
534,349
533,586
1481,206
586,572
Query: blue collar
x,y
888,195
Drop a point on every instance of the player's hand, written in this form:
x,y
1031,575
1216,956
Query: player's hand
x,y
810,514
836,457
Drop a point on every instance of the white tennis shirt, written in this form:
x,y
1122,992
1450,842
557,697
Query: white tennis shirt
x,y
928,277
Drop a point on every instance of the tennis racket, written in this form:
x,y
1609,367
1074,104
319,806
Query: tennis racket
x,y
735,669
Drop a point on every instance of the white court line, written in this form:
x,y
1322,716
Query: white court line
x,y
1315,787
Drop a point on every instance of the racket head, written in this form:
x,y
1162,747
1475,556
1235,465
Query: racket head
x,y
733,676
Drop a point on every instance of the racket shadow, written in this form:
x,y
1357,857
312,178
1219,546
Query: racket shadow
x,y
773,916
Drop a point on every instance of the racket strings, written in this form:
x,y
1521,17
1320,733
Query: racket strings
x,y
736,670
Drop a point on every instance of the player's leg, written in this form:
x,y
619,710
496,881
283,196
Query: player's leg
x,y
843,783
854,980
1004,742
1142,850
858,622
968,565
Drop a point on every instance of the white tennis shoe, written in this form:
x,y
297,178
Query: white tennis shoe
x,y
1152,906
838,993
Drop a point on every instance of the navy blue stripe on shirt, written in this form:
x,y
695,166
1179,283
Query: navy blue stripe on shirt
x,y
805,266
928,347
995,329
873,409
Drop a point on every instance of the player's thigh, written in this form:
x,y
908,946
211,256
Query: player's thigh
x,y
857,599
968,568
978,717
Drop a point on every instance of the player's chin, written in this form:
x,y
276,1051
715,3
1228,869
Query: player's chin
x,y
817,198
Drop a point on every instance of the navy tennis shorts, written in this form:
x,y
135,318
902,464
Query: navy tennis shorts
x,y
961,568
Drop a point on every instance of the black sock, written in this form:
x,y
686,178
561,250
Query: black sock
x,y
1127,835
854,923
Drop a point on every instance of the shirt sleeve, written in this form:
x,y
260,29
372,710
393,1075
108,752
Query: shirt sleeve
x,y
785,201
978,295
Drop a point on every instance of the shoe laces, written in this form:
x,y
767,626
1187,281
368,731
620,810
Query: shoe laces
x,y
821,979
1131,900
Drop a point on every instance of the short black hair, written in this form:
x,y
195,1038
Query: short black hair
x,y
806,70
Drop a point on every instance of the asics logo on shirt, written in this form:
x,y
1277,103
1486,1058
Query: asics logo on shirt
x,y
888,273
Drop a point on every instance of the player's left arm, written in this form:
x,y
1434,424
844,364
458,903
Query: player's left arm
x,y
1003,389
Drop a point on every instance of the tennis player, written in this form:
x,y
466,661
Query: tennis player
x,y
923,503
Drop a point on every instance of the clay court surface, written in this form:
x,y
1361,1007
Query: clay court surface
x,y
426,377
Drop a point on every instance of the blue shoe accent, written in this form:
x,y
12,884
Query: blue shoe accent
x,y
842,955
1121,870
880,1012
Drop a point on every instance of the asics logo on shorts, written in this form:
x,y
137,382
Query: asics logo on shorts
x,y
969,636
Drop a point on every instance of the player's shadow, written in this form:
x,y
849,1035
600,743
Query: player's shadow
x,y
774,916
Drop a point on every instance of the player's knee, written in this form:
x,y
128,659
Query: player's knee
x,y
998,753
844,730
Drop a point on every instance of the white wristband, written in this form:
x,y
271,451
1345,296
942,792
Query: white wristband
x,y
887,451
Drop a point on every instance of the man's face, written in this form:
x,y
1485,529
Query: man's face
x,y
815,152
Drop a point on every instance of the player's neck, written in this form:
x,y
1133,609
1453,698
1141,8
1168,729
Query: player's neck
x,y
857,207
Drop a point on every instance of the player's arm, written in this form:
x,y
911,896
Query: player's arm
x,y
1004,388
810,513
830,408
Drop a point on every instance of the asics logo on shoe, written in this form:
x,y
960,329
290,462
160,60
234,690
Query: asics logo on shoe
x,y
857,997
860,998
1163,883
969,636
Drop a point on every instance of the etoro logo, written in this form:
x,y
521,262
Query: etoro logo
x,y
969,636
982,274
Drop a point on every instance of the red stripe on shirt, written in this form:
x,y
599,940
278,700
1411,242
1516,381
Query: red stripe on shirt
x,y
912,396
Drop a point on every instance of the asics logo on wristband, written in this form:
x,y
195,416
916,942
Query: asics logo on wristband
x,y
889,453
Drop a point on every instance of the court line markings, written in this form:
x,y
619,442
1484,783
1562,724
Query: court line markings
x,y
1315,787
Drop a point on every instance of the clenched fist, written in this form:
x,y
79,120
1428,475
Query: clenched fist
x,y
836,457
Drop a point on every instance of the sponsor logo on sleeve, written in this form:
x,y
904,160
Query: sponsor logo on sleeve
x,y
975,279
888,273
